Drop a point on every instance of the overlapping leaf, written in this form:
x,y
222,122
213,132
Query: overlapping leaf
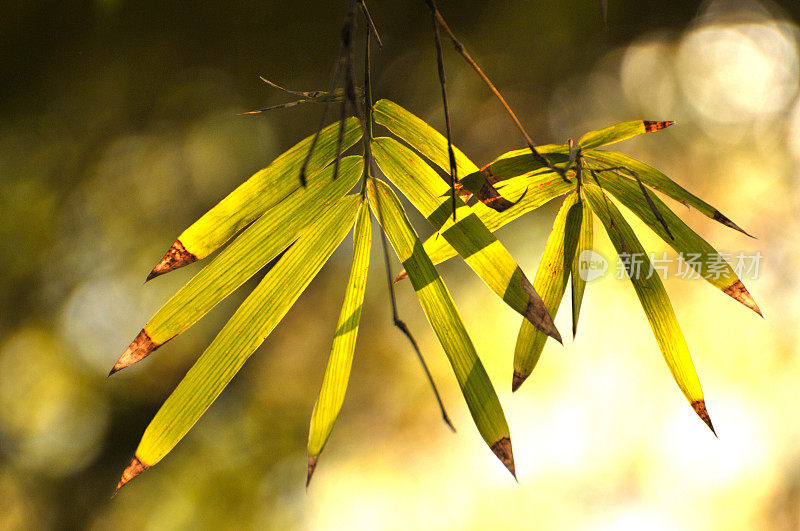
x,y
585,243
658,181
255,196
260,243
696,252
551,281
653,298
446,322
244,332
337,373
468,235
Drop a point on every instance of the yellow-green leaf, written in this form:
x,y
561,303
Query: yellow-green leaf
x,y
538,188
619,132
653,298
657,180
421,136
696,252
468,235
337,373
585,243
260,243
551,281
255,196
246,330
446,322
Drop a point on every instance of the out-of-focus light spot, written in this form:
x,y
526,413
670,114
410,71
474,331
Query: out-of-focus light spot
x,y
739,73
648,78
633,518
52,423
793,130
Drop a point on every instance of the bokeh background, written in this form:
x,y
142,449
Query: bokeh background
x,y
119,127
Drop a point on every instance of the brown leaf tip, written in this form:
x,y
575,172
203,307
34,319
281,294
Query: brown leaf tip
x,y
651,126
403,274
517,379
502,449
537,314
718,216
134,469
699,407
141,347
177,256
740,293
312,465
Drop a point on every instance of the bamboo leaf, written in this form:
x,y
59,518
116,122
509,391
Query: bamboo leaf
x,y
468,235
421,136
657,180
704,258
619,132
538,188
520,162
245,331
585,243
252,198
446,322
260,243
337,373
653,298
551,281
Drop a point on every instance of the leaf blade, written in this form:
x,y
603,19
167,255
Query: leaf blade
x,y
436,302
250,199
337,373
654,301
245,331
253,249
550,281
585,243
468,235
620,131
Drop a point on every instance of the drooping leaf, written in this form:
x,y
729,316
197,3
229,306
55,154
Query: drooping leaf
x,y
657,180
551,281
585,243
337,373
446,322
244,332
252,198
468,235
619,132
698,253
260,243
653,298
520,162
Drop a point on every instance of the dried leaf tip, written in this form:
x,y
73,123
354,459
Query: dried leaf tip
x,y
135,468
740,293
403,274
537,314
141,347
177,256
517,380
718,216
502,449
312,465
652,126
699,407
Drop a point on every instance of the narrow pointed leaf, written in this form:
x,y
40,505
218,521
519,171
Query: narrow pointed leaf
x,y
468,235
260,243
697,252
585,243
619,132
246,330
422,137
658,181
538,188
255,196
551,281
520,162
653,298
446,322
337,373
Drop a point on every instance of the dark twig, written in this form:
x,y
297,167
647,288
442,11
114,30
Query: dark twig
x,y
370,22
463,52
